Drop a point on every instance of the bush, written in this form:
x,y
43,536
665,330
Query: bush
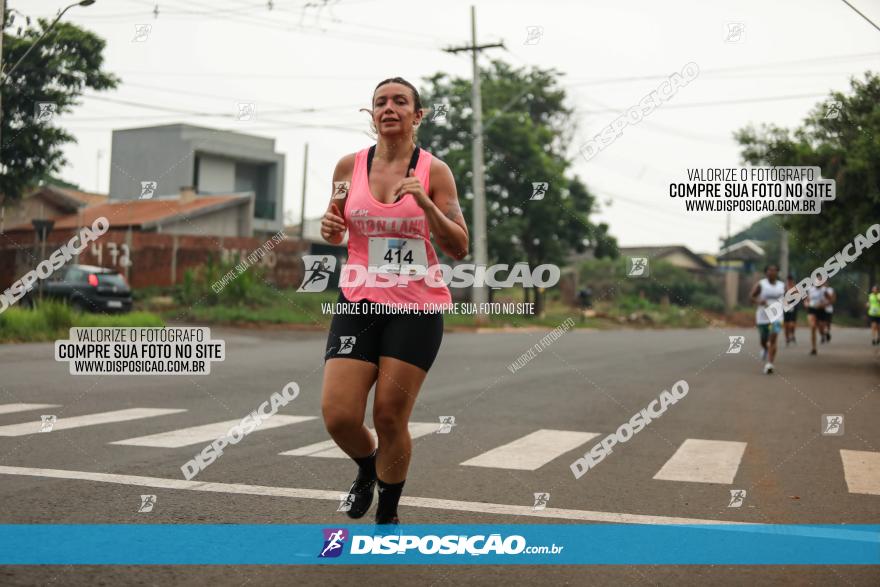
x,y
607,278
245,288
713,303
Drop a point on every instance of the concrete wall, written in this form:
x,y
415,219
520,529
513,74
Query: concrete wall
x,y
149,154
216,174
156,259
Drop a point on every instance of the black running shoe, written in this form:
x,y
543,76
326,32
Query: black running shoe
x,y
390,527
362,490
392,520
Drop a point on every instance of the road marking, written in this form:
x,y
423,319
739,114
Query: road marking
x,y
13,408
87,420
861,468
703,461
328,448
206,432
420,502
532,451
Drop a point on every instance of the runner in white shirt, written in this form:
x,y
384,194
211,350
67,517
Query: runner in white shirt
x,y
768,290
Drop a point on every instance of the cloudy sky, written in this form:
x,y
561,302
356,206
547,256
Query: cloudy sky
x,y
309,66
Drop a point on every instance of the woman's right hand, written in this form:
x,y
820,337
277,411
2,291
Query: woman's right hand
x,y
333,225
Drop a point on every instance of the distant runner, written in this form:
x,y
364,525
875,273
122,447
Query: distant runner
x,y
829,311
768,290
874,314
789,318
817,299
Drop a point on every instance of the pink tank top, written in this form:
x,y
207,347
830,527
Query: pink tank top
x,y
366,217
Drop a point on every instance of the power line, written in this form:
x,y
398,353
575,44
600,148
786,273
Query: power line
x,y
242,75
667,106
812,61
289,109
244,14
273,23
862,15
177,111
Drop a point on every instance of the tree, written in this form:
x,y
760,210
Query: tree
x,y
527,131
58,70
842,137
768,232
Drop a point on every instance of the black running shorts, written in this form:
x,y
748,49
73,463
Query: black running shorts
x,y
820,314
366,333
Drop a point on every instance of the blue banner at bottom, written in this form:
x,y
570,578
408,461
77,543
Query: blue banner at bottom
x,y
517,544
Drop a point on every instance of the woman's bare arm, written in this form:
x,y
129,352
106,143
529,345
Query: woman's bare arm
x,y
333,223
445,218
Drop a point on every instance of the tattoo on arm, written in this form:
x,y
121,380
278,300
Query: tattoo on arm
x,y
453,212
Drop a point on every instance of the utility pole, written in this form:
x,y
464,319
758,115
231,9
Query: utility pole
x,y
302,206
2,23
728,230
481,255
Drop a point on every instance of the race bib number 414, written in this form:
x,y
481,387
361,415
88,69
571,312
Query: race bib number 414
x,y
403,256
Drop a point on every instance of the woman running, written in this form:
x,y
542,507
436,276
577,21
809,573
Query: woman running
x,y
817,299
768,290
831,296
396,196
874,314
789,318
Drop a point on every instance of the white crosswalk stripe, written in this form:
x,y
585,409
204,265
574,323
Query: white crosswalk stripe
x,y
695,460
206,432
13,408
328,448
703,461
531,451
63,423
861,469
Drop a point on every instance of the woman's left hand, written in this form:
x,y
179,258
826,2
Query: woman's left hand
x,y
412,185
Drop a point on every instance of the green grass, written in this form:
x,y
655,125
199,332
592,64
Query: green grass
x,y
281,306
286,306
53,320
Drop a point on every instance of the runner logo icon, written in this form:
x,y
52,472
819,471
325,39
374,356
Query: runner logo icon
x,y
346,344
334,541
340,190
736,344
48,422
346,500
539,190
832,424
147,504
541,500
737,496
318,269
446,424
638,267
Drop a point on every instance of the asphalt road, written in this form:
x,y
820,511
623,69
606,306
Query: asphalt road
x,y
736,429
